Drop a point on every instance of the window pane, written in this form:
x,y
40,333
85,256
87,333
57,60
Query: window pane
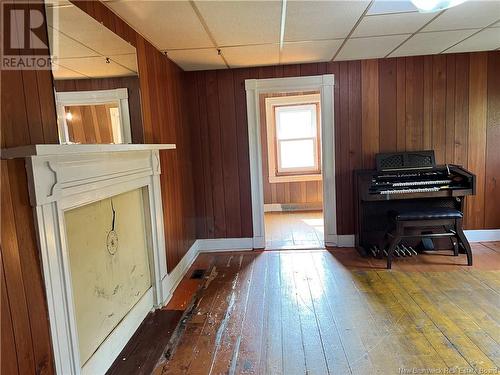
x,y
296,122
297,154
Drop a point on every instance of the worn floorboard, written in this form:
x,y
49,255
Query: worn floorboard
x,y
332,312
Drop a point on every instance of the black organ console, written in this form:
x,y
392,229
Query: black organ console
x,y
402,182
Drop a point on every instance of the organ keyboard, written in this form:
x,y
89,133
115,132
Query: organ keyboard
x,y
404,181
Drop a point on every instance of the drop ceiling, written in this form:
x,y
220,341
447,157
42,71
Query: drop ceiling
x,y
201,35
81,47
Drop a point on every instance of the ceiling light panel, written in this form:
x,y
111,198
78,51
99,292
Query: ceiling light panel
x,y
369,48
389,24
304,52
233,23
393,6
431,43
257,55
486,40
197,59
167,24
315,20
469,15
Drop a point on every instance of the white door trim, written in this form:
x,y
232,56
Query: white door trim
x,y
255,87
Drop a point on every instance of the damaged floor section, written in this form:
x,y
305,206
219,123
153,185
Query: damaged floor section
x,y
321,312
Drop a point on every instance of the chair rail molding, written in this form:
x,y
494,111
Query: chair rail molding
x,y
324,84
63,177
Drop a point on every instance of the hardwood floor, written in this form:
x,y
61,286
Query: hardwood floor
x,y
332,312
294,230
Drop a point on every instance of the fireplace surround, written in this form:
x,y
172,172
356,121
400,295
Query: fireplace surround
x,y
65,177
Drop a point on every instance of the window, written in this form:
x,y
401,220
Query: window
x,y
293,129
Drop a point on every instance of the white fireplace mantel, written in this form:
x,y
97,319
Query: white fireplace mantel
x,y
63,177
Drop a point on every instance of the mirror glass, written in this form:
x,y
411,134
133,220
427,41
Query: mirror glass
x,y
95,79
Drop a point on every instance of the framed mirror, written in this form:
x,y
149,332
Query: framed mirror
x,y
95,76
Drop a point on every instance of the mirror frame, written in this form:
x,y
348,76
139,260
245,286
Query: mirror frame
x,y
67,98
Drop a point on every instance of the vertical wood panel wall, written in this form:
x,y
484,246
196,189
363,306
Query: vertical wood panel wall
x,y
449,103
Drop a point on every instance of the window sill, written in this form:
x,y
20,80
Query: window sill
x,y
295,178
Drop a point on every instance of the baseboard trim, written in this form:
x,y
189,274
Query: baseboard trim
x,y
482,235
172,280
291,207
224,244
345,240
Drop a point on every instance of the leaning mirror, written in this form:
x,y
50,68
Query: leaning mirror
x,y
95,79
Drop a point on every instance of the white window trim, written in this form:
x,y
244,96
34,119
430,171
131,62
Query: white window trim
x,y
120,96
273,154
255,87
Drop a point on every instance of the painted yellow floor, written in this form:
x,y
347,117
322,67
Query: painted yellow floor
x,y
294,230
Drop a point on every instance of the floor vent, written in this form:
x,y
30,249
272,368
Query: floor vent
x,y
198,274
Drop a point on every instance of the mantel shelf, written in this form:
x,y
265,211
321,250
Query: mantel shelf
x,y
71,149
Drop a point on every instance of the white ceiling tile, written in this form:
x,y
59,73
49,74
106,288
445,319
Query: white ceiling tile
x,y
66,46
313,20
257,55
78,25
197,59
431,43
302,52
392,6
368,48
469,15
488,39
60,72
387,24
167,24
242,22
129,61
94,67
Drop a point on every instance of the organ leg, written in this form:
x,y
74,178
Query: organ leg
x,y
463,241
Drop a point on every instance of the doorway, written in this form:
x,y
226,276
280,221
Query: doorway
x,y
292,170
291,138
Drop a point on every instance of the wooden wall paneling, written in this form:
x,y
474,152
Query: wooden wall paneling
x,y
476,140
342,145
243,152
414,103
492,187
31,267
217,173
401,103
206,153
197,157
450,109
355,154
15,283
387,103
427,109
8,358
439,107
370,112
461,108
230,155
420,104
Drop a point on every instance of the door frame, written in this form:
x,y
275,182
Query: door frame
x,y
325,85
